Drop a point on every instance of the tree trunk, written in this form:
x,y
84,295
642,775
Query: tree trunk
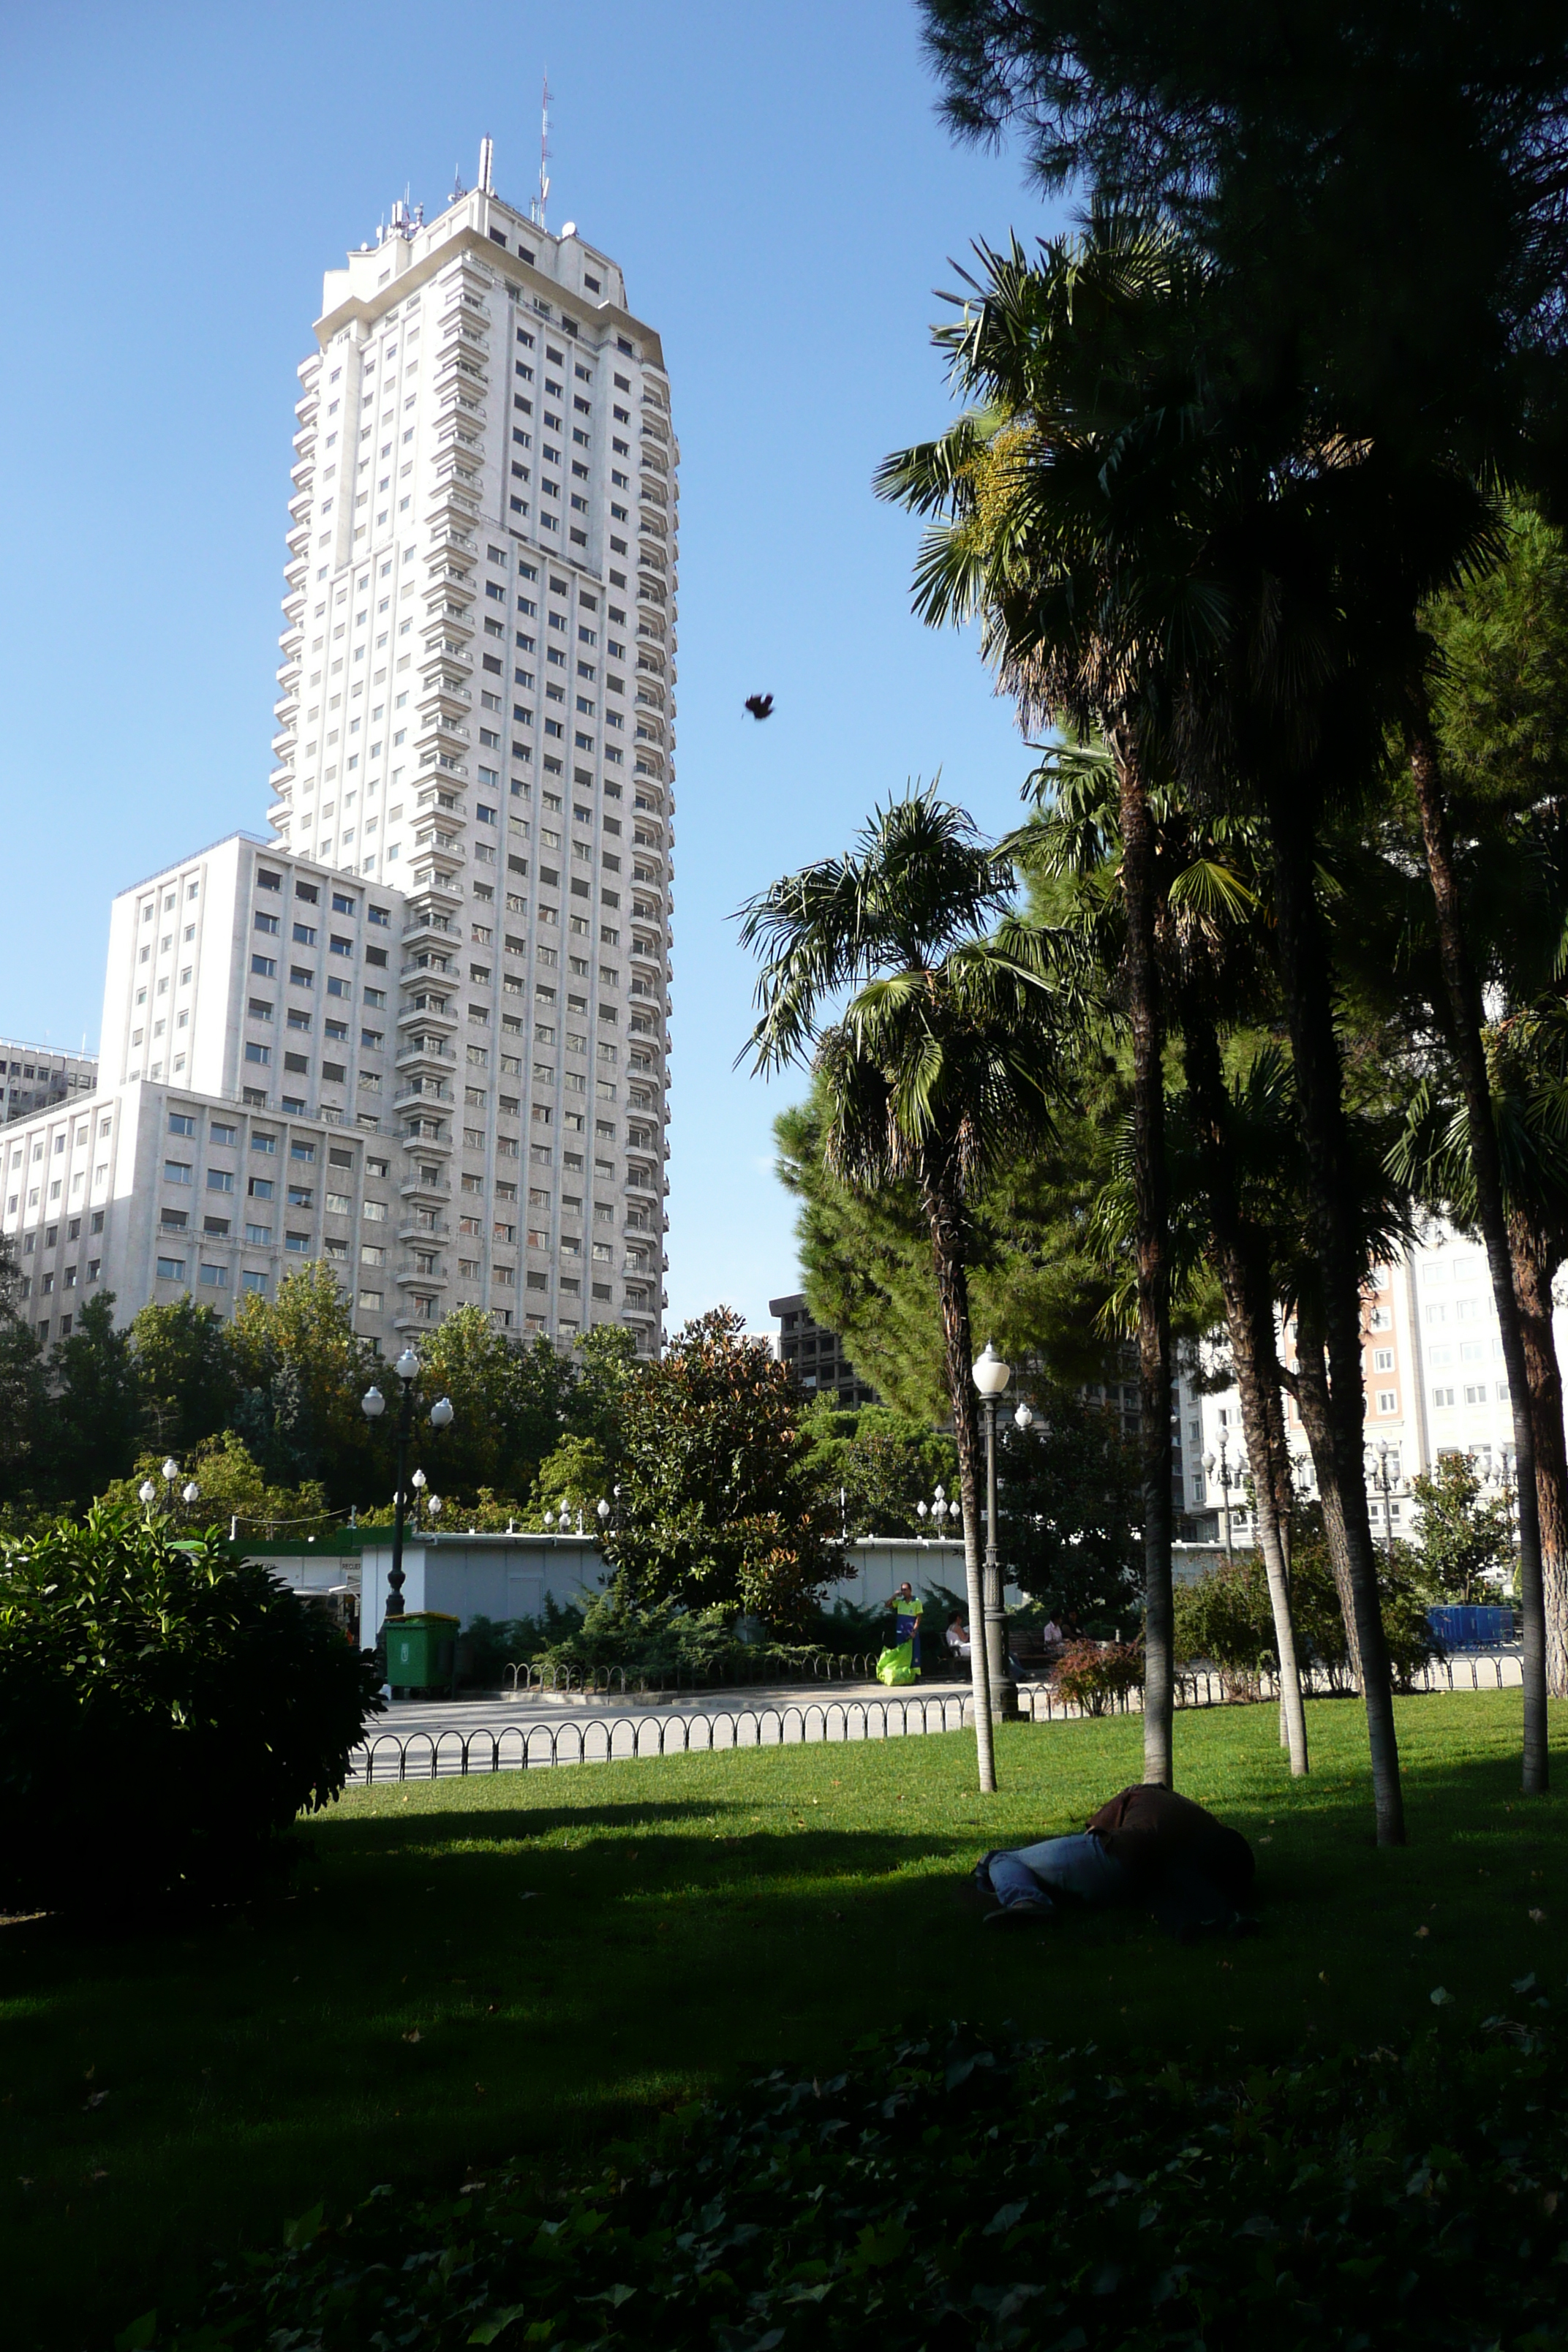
x,y
1486,1164
947,1236
1307,988
1139,898
1312,1403
1241,1264
1536,1258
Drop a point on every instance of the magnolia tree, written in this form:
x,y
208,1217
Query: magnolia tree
x,y
715,1503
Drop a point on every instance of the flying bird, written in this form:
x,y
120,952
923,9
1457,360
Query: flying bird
x,y
760,706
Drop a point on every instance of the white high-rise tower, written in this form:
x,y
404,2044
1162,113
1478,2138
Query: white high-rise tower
x,y
476,712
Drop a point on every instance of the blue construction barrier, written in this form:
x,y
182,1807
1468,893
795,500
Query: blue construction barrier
x,y
1466,1626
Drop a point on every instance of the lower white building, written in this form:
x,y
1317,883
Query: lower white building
x,y
276,1086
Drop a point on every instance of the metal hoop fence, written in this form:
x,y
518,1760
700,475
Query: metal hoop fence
x,y
519,1747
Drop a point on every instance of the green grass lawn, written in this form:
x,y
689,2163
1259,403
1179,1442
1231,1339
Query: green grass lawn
x,y
528,1964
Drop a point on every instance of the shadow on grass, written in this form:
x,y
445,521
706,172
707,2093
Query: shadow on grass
x,y
526,1967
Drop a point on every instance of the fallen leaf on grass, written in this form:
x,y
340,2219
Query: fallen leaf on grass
x,y
93,2099
1538,1918
415,2036
1423,1931
1441,1997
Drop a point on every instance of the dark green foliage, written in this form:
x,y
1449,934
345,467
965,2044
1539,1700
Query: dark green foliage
x,y
23,1388
714,1507
509,1404
489,1645
164,1715
1224,1615
1502,698
1330,157
1069,1507
301,1370
1461,1533
1034,1285
94,1422
868,1466
185,1368
957,2190
662,1643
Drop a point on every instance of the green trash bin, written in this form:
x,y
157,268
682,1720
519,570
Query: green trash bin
x,y
422,1651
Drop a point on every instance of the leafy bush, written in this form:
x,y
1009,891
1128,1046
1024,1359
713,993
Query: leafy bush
x,y
945,2191
490,1644
1225,1614
163,1715
663,1643
1095,1674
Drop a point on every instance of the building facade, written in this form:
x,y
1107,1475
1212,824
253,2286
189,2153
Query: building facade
x,y
1433,1380
35,1078
449,971
815,1354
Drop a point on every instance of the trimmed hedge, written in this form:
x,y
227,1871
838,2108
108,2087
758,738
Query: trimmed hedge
x,y
948,2192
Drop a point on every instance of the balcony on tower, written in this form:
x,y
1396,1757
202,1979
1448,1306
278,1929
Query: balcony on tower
x,y
424,1266
423,1227
427,1012
424,1054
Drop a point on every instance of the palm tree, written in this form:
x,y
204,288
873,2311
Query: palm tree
x,y
1213,970
941,1064
1063,523
1167,556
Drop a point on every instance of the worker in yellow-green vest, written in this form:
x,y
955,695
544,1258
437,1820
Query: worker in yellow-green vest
x,y
908,1611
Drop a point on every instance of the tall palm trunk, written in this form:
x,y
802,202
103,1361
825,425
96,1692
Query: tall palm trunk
x,y
948,1257
1536,1254
1249,1321
1139,898
1317,1420
1241,1265
1306,987
1470,1056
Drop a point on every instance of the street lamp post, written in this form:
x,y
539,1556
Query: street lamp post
x,y
1383,1484
373,1405
991,1377
1224,1482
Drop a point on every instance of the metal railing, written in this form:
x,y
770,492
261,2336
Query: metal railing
x,y
520,1746
434,1755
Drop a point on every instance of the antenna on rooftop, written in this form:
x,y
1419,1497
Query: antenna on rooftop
x,y
457,187
486,158
537,209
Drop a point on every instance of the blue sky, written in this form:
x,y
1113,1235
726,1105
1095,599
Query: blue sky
x,y
783,201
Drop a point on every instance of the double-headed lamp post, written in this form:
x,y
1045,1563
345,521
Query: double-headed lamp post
x,y
373,1405
1224,1483
190,1493
991,1377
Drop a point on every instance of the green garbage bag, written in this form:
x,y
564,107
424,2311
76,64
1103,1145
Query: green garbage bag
x,y
898,1665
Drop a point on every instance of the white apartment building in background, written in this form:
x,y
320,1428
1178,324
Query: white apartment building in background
x,y
1434,1379
424,1032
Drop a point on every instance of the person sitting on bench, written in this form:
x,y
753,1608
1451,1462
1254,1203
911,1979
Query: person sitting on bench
x,y
1146,1845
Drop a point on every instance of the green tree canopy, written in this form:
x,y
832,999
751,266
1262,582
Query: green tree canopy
x,y
869,1465
715,1506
